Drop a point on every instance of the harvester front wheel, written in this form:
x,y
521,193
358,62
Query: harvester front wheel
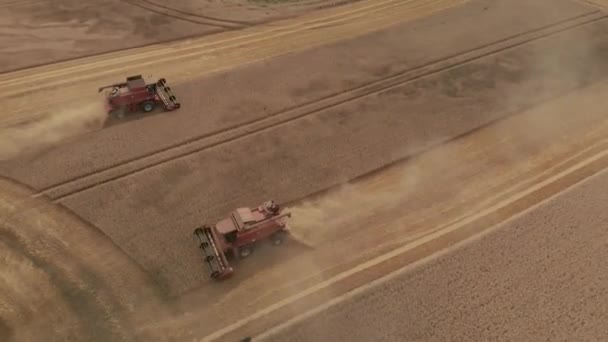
x,y
147,106
245,251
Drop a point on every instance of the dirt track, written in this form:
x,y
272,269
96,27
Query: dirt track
x,y
541,276
149,207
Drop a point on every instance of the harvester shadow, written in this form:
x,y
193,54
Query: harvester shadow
x,y
264,258
113,121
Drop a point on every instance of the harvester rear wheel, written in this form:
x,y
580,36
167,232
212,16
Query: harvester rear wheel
x,y
245,251
277,238
119,113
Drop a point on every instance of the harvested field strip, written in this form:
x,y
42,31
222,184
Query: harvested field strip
x,y
183,15
200,143
385,264
49,76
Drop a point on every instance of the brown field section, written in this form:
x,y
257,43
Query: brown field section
x,y
34,32
538,277
262,89
151,214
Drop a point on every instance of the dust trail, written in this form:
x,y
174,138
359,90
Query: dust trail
x,y
351,204
50,130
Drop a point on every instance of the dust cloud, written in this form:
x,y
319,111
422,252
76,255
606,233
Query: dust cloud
x,y
51,129
314,221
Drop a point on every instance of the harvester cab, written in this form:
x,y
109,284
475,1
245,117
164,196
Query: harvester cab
x,y
238,233
135,95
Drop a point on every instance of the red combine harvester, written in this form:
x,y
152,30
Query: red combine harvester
x,y
237,234
135,95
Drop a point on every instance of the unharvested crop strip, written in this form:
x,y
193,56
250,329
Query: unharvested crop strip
x,y
312,107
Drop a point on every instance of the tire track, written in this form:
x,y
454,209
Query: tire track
x,y
200,143
186,16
